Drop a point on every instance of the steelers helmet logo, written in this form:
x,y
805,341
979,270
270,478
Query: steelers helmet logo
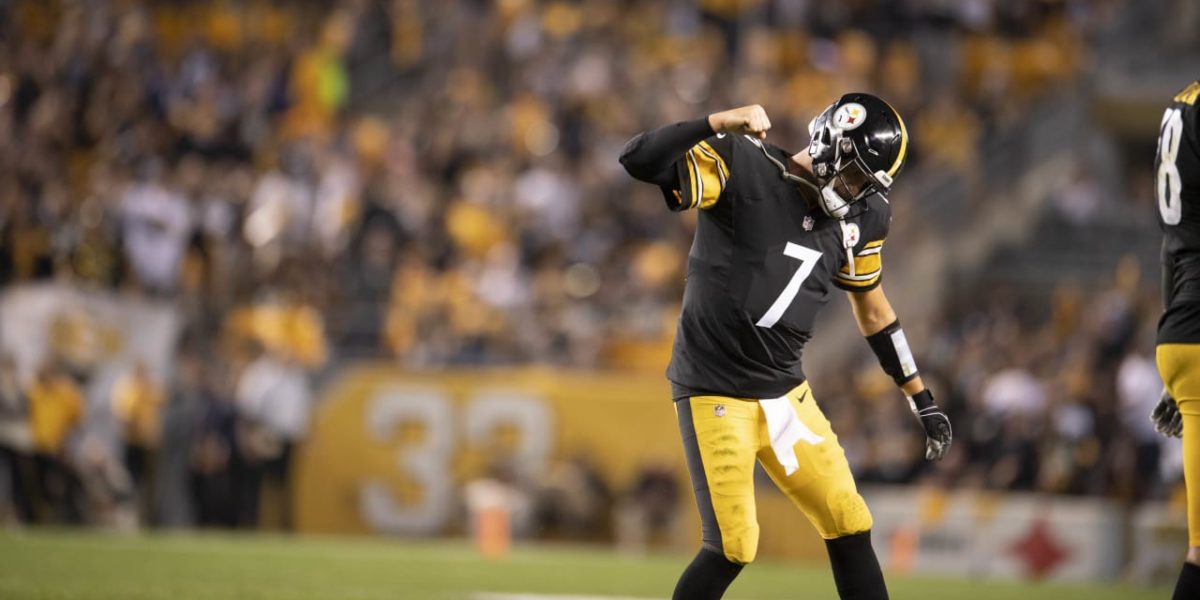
x,y
850,115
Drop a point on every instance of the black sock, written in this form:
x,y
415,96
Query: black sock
x,y
855,568
707,577
1188,586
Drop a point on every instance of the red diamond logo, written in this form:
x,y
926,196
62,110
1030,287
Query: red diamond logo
x,y
1039,551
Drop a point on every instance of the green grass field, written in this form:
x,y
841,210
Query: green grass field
x,y
74,565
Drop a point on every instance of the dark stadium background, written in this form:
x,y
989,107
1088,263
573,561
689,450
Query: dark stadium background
x,y
227,229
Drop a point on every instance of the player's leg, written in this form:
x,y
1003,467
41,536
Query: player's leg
x,y
823,488
1188,585
719,441
1179,367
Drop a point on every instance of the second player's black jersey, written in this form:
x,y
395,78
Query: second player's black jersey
x,y
762,264
1177,170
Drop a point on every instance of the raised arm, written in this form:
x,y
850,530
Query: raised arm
x,y
650,156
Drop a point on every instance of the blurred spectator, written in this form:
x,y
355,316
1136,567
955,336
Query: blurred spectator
x,y
16,447
274,402
181,419
649,509
1081,200
573,500
112,498
55,409
137,403
213,459
1138,387
1013,391
156,223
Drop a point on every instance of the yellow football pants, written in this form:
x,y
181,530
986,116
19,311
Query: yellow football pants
x,y
1179,367
723,436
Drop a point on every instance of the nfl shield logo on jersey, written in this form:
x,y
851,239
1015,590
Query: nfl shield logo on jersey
x,y
808,223
719,410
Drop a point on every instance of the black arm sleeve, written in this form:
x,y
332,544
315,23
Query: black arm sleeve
x,y
891,348
651,156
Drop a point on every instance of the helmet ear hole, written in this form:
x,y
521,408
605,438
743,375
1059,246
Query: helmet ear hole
x,y
846,145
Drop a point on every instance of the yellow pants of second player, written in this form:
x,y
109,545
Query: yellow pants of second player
x,y
722,438
1179,367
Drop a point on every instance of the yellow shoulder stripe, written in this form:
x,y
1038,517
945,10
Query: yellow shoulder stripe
x,y
711,153
707,174
1189,94
864,264
865,281
874,244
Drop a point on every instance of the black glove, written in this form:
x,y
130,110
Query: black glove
x,y
937,425
1166,417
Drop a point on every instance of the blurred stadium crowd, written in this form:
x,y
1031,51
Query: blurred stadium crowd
x,y
436,183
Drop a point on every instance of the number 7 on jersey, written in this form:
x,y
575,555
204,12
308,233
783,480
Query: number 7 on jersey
x,y
808,260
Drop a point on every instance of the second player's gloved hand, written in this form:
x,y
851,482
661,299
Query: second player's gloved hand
x,y
1166,417
937,425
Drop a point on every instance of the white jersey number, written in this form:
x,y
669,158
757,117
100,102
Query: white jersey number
x,y
808,260
1169,180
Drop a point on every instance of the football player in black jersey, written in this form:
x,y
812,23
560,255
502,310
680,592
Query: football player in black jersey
x,y
1178,350
776,232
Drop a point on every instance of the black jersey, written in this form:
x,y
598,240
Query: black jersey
x,y
1177,168
762,264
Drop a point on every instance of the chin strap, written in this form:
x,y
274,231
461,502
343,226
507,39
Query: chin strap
x,y
833,204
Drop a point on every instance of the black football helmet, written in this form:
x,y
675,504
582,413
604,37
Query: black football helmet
x,y
858,139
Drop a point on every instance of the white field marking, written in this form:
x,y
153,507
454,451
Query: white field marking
x,y
487,596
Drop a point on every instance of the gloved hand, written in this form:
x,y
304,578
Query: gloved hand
x,y
1166,417
937,425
